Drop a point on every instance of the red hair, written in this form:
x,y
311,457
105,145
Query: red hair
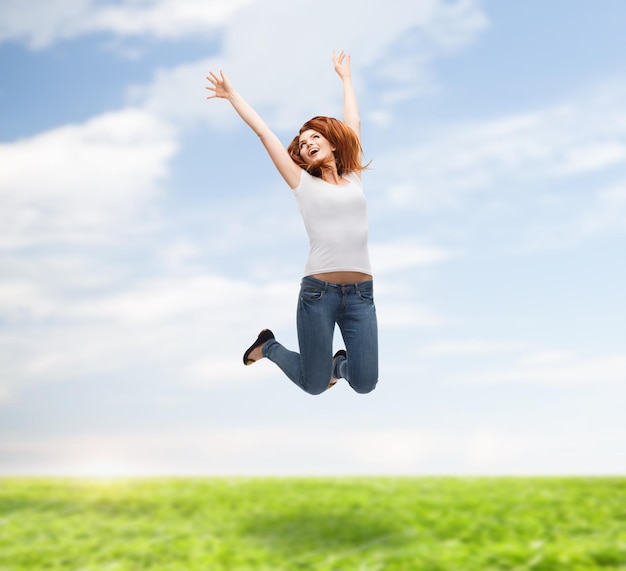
x,y
347,147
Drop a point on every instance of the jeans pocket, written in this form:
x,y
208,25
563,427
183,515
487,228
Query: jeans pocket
x,y
311,294
366,295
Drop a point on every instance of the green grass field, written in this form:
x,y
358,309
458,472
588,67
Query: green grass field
x,y
430,524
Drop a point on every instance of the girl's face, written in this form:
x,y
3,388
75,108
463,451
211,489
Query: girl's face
x,y
314,148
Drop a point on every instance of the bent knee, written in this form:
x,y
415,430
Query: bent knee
x,y
364,387
314,390
315,387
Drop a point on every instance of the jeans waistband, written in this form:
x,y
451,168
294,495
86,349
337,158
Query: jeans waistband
x,y
326,286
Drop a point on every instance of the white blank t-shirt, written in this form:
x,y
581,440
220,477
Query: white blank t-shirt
x,y
335,218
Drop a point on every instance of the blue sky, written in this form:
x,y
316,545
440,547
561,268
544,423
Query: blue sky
x,y
145,238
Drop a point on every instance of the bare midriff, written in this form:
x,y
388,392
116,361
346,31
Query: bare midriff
x,y
343,277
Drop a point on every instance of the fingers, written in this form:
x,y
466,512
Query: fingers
x,y
338,59
213,78
216,83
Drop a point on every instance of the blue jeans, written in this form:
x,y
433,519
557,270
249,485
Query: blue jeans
x,y
321,305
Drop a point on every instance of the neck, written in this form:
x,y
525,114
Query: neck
x,y
330,175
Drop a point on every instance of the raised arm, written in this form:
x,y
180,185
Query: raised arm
x,y
222,88
350,107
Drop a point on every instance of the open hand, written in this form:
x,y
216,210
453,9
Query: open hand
x,y
342,64
220,86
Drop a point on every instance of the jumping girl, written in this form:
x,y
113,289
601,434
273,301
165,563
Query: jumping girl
x,y
322,165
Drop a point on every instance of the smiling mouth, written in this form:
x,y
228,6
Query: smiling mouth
x,y
313,152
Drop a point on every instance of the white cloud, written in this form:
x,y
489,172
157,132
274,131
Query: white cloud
x,y
176,324
447,25
272,64
398,313
550,368
578,138
178,95
80,182
405,253
546,358
545,179
519,362
456,24
608,212
165,18
288,77
593,157
471,347
168,299
5,393
179,253
303,450
44,22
